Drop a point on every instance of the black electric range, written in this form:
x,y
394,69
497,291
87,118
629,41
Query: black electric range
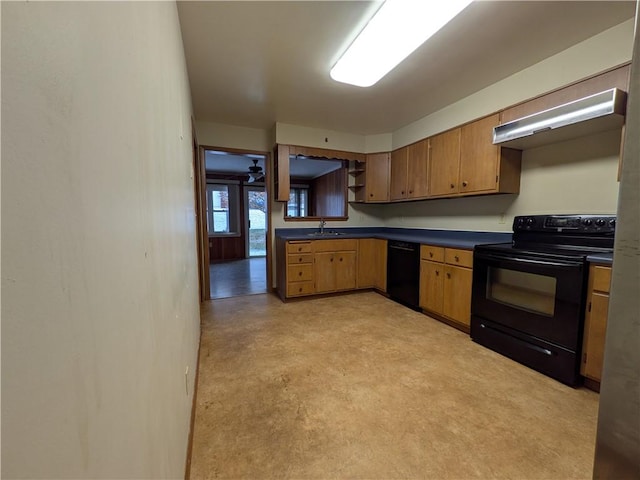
x,y
529,296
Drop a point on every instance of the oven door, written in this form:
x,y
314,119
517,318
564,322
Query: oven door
x,y
537,296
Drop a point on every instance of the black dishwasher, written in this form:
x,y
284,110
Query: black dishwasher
x,y
403,272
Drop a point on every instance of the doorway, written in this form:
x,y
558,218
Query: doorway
x,y
237,221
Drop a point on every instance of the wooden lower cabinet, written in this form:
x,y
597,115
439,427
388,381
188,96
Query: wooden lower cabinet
x,y
335,271
457,294
445,283
595,326
372,263
310,267
298,269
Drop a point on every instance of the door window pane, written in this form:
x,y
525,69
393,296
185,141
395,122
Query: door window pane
x,y
222,208
526,291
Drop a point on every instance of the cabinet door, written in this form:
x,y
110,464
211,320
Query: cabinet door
x,y
457,294
398,189
325,274
377,177
367,270
417,169
431,286
345,270
444,159
381,264
595,330
479,156
281,171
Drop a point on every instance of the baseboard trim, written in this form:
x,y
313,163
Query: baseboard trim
x,y
187,464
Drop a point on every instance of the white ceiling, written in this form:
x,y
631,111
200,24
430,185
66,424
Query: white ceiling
x,y
256,63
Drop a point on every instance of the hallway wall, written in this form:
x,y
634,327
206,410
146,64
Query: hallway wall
x,y
100,311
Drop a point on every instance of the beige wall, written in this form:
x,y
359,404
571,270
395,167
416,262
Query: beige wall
x,y
100,316
231,136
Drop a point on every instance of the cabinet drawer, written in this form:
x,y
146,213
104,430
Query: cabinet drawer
x,y
463,258
301,258
601,278
295,289
299,273
434,254
335,245
298,247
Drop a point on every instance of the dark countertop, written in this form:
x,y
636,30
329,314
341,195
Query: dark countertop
x,y
444,238
602,258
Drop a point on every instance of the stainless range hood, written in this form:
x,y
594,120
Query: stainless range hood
x,y
595,113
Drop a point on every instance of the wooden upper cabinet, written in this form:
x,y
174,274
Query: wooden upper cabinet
x,y
616,78
418,169
281,173
478,155
444,163
377,177
398,184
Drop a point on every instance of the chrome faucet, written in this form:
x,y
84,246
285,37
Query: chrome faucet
x,y
322,224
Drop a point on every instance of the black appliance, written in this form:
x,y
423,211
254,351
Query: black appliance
x,y
528,296
403,272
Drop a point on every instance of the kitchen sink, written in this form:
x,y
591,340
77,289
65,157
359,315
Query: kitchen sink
x,y
324,234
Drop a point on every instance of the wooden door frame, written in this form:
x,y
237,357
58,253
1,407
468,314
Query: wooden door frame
x,y
201,214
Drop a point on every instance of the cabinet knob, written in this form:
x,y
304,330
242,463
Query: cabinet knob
x,y
431,254
410,192
456,258
437,273
299,274
300,260
331,260
402,192
340,258
300,289
448,275
452,185
464,184
371,194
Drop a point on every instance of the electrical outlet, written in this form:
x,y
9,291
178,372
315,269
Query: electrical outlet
x,y
186,381
503,219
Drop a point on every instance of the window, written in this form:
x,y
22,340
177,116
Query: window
x,y
222,209
298,204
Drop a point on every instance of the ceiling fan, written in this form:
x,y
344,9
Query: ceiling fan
x,y
255,172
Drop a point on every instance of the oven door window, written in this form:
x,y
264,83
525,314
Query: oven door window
x,y
526,291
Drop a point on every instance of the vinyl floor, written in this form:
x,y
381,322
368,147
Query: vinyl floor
x,y
358,386
238,277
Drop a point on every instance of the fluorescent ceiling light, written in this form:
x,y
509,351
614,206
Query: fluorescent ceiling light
x,y
396,30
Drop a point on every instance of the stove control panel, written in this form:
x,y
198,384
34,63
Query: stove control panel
x,y
565,223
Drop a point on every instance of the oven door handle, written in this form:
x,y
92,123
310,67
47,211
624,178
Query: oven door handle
x,y
547,263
